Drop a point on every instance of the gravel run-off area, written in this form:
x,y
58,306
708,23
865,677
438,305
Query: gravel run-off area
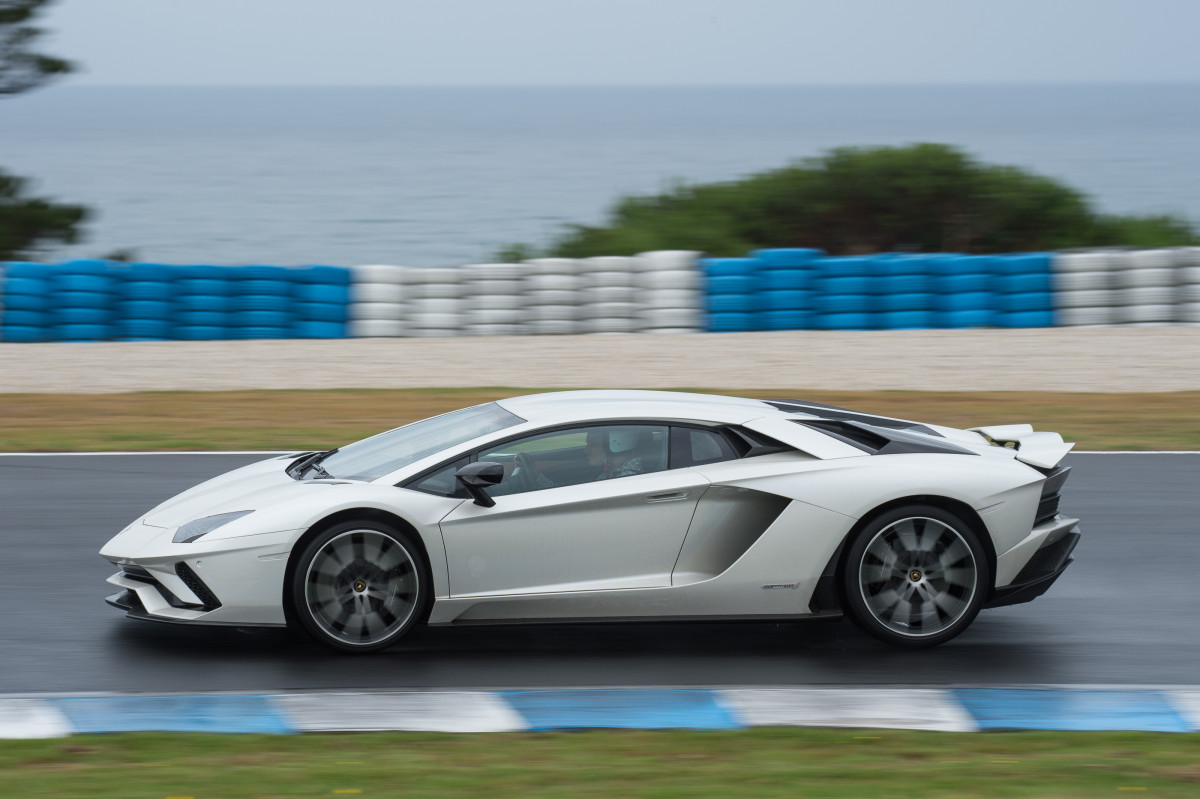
x,y
1045,359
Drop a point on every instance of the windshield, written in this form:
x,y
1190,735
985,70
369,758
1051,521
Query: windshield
x,y
374,457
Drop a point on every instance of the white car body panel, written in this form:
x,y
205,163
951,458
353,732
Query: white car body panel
x,y
751,536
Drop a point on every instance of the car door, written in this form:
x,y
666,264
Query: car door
x,y
600,534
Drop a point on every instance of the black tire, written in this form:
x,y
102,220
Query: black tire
x,y
360,586
915,576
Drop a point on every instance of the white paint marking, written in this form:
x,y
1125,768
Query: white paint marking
x,y
32,718
901,709
418,711
1187,705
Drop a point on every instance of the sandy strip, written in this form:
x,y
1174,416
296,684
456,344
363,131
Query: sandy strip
x,y
1050,359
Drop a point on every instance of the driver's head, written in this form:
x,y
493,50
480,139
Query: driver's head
x,y
597,447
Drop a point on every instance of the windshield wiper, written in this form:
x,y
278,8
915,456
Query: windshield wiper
x,y
312,462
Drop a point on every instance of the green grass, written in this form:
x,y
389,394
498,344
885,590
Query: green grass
x,y
284,420
751,763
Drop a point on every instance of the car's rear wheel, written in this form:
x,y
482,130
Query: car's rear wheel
x,y
360,586
915,576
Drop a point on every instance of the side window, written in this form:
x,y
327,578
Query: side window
x,y
441,482
578,455
693,447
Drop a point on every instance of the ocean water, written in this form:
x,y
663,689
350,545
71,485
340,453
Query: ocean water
x,y
433,176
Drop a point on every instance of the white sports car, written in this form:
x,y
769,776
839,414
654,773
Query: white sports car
x,y
613,505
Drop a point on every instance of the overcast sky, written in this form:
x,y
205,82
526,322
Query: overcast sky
x,y
625,42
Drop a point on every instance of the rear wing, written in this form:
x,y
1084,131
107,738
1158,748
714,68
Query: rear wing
x,y
1042,450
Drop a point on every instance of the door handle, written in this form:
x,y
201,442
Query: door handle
x,y
670,496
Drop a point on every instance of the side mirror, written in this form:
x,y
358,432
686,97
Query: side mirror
x,y
475,477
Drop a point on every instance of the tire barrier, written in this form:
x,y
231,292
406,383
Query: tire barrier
x,y
654,292
94,300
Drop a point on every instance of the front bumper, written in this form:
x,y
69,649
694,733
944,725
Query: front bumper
x,y
236,581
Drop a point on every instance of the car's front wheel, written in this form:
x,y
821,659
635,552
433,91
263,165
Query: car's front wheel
x,y
360,586
915,576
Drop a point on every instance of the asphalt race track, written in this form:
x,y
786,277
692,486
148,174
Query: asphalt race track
x,y
1127,611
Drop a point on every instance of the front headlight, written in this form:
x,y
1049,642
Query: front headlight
x,y
187,533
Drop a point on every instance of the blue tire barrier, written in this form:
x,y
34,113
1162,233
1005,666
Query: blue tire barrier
x,y
974,317
25,285
277,288
201,333
204,285
84,266
731,322
890,266
1025,283
962,265
730,267
25,302
1027,319
147,273
789,319
1024,263
851,284
206,272
963,283
322,292
1020,303
260,302
908,284
23,333
786,300
202,302
787,280
261,319
260,332
81,316
966,301
275,274
907,320
315,329
145,329
733,303
81,332
333,275
27,270
321,312
786,258
732,284
145,309
844,266
202,319
905,302
82,299
84,283
154,290
845,321
843,304
21,317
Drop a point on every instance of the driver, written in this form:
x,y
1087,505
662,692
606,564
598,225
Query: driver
x,y
613,452
610,451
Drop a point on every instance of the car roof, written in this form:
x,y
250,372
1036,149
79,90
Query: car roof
x,y
563,406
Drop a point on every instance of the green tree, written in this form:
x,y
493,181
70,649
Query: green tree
x,y
924,197
29,223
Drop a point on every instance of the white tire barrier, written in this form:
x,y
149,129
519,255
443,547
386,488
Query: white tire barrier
x,y
376,292
1073,317
377,328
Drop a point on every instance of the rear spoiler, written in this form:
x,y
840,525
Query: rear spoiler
x,y
1042,450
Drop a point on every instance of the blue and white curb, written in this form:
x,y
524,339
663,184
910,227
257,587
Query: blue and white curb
x,y
945,710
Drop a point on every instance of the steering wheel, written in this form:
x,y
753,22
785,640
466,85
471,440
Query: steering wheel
x,y
525,472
